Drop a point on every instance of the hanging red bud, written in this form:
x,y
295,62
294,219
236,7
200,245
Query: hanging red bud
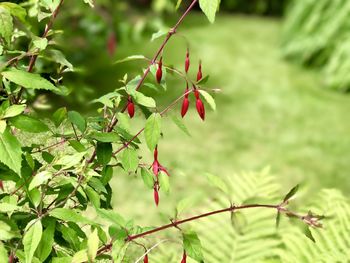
x,y
200,109
184,258
1,185
156,195
187,61
131,107
145,259
185,103
199,74
159,73
156,166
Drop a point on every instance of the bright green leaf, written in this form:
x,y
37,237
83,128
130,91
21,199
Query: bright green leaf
x,y
29,124
105,136
130,58
209,7
10,151
6,24
92,245
45,245
208,99
143,100
129,159
147,178
111,216
3,126
180,124
59,116
39,179
80,257
70,215
13,110
3,253
28,80
40,43
153,130
192,246
15,10
31,239
164,182
217,182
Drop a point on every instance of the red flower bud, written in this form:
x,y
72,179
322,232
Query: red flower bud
x,y
131,107
155,153
184,258
200,108
185,105
145,259
196,93
1,185
159,73
155,167
199,74
187,61
156,195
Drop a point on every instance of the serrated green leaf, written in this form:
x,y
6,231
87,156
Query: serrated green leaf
x,y
105,136
111,216
153,130
46,242
143,100
6,24
209,8
29,124
31,239
39,179
92,245
209,99
28,80
10,151
130,159
75,118
13,111
70,215
192,246
59,116
147,178
104,152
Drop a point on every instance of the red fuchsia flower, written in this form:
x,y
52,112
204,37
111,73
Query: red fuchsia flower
x,y
199,74
185,103
199,105
187,61
156,194
131,107
159,73
1,185
184,258
145,259
156,166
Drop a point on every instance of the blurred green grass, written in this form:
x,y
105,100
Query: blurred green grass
x,y
268,113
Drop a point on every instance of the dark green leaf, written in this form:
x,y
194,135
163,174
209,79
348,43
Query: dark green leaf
x,y
59,116
291,193
104,152
78,146
192,246
105,136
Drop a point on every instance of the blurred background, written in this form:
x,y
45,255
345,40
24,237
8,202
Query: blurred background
x,y
283,70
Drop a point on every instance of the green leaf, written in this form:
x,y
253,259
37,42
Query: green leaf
x,y
291,193
123,121
104,152
3,253
130,58
80,256
6,24
39,179
143,100
28,80
278,219
70,160
111,216
105,136
208,98
238,221
92,245
164,182
217,182
70,215
59,116
78,120
147,178
93,196
89,2
29,124
8,208
3,126
78,146
209,8
159,34
40,43
31,239
10,151
15,10
178,4
45,245
153,130
13,111
179,123
129,159
192,246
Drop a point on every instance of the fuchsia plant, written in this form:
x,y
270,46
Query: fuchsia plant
x,y
46,188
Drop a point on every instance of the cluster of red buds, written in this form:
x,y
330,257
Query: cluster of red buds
x,y
157,168
199,102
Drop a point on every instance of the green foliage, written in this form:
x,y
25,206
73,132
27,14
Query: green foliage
x,y
316,34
